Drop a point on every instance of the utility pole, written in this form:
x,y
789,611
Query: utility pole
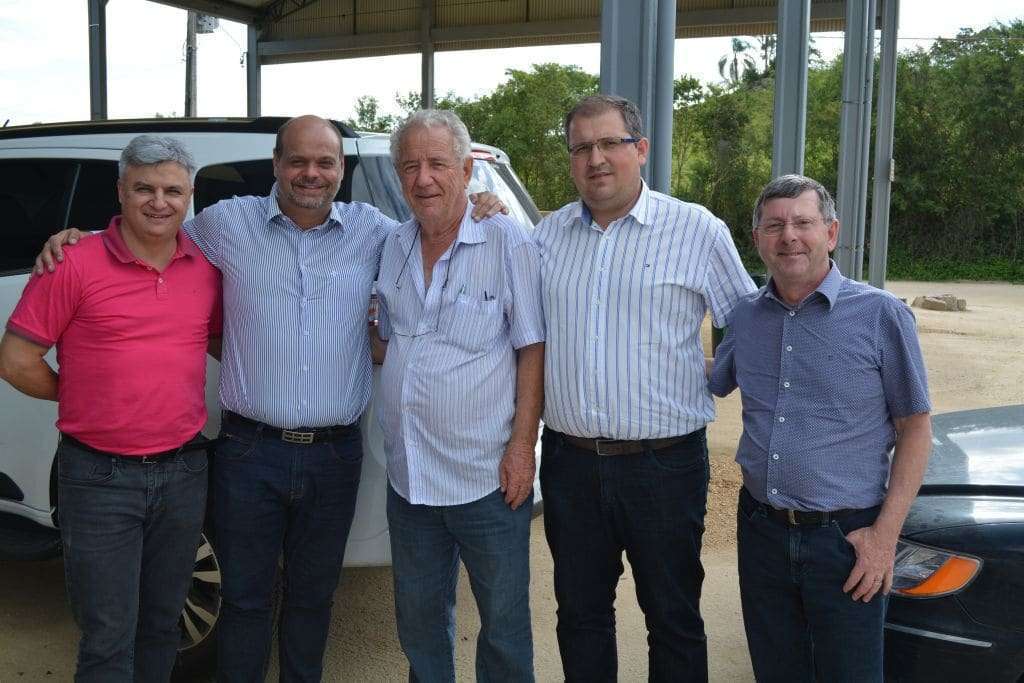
x,y
190,66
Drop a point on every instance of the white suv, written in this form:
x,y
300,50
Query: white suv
x,y
64,175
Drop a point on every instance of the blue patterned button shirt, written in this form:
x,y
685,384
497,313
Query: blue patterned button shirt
x,y
820,385
296,348
448,386
623,308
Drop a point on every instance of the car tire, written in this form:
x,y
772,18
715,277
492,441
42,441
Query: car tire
x,y
197,653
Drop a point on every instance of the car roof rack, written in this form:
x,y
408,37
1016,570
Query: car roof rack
x,y
262,124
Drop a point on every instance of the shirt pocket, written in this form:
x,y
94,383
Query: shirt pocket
x,y
475,323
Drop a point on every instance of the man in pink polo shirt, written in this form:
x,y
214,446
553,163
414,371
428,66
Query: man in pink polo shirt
x,y
132,317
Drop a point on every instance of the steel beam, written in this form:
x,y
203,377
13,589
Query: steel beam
x,y
790,121
218,8
855,118
636,63
885,165
97,59
252,72
426,55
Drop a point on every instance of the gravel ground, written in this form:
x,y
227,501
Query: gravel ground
x,y
974,360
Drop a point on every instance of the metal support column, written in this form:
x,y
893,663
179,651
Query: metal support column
x,y
855,121
190,65
790,121
637,43
885,165
427,55
252,72
97,59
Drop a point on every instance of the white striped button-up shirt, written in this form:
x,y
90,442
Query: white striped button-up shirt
x,y
447,390
296,348
623,309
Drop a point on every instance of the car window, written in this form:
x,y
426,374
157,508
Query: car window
x,y
254,177
34,204
95,199
487,175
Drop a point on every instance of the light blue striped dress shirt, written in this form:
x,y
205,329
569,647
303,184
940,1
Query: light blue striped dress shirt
x,y
448,385
296,348
623,308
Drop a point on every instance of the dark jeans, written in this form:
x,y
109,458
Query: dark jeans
x,y
650,505
800,624
493,542
130,533
269,497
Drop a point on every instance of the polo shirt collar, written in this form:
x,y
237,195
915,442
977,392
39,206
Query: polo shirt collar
x,y
113,240
274,209
640,210
828,288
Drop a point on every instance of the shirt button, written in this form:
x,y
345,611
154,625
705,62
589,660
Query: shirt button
x,y
792,313
775,456
305,368
774,491
782,419
789,348
160,279
306,333
786,384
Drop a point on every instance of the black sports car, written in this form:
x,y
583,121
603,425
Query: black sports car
x,y
957,608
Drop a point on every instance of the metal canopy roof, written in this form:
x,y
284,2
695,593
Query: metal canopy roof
x,y
308,30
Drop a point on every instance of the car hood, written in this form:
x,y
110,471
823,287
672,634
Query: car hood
x,y
977,451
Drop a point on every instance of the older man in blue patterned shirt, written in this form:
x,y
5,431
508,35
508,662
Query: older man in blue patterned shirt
x,y
460,403
628,275
831,379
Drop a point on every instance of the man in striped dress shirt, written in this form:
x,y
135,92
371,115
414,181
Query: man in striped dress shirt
x,y
460,403
832,381
295,377
628,275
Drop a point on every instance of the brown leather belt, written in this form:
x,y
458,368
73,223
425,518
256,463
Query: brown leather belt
x,y
619,447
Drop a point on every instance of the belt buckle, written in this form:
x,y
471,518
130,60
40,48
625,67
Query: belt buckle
x,y
791,516
296,437
597,445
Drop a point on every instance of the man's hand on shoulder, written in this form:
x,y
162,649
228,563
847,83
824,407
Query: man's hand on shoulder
x,y
53,252
873,571
486,204
516,472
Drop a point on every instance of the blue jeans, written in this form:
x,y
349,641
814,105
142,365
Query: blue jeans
x,y
130,532
800,624
272,497
650,505
494,543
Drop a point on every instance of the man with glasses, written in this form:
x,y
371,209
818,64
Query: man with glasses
x,y
628,275
832,381
460,403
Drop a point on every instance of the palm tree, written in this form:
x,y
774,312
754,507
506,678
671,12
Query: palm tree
x,y
732,66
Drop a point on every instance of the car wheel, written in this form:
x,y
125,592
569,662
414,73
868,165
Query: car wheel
x,y
199,616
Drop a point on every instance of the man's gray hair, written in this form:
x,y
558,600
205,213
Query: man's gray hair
x,y
434,118
792,186
149,150
595,105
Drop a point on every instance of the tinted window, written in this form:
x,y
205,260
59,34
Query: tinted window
x,y
252,178
33,205
95,200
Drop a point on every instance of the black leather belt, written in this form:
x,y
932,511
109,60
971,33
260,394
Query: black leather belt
x,y
620,447
299,435
799,517
149,458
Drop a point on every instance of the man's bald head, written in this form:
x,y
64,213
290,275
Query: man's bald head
x,y
304,122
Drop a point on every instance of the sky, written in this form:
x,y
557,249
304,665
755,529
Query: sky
x,y
44,62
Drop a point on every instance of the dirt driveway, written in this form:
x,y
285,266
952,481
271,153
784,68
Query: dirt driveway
x,y
974,360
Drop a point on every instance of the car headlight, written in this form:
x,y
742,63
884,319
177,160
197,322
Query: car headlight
x,y
925,572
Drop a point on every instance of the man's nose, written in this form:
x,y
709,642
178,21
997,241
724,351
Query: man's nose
x,y
595,157
159,198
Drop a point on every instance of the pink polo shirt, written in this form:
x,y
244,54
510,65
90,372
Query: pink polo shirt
x,y
131,341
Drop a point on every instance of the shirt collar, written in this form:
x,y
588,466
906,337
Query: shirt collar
x,y
640,210
828,288
274,209
113,240
470,231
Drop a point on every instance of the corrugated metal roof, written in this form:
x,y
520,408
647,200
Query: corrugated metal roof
x,y
306,30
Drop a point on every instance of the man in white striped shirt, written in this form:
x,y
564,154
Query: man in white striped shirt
x,y
628,275
460,403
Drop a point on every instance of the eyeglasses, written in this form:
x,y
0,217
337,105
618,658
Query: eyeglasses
x,y
444,283
606,145
775,228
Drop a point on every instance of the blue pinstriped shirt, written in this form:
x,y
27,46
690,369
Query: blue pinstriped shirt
x,y
447,396
296,349
623,308
820,385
